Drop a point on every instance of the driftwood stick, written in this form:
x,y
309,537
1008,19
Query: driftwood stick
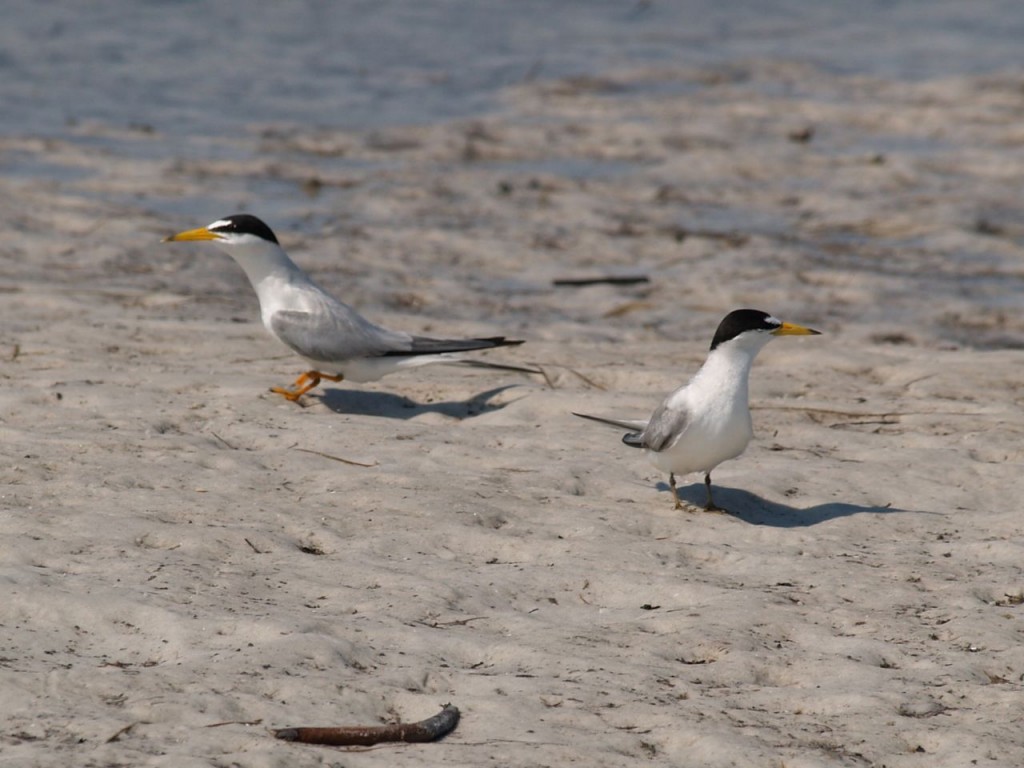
x,y
608,279
336,458
431,729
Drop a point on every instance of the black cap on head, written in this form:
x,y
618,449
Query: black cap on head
x,y
741,320
244,224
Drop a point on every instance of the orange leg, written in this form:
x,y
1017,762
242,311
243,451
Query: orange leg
x,y
304,383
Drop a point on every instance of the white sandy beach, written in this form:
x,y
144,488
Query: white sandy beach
x,y
183,549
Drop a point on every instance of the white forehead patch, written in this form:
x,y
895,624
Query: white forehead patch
x,y
772,320
218,223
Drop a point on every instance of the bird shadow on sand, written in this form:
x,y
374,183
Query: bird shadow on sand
x,y
751,508
386,405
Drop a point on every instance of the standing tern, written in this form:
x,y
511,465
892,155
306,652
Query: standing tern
x,y
334,339
707,421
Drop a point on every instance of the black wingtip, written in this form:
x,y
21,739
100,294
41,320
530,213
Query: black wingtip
x,y
501,341
426,345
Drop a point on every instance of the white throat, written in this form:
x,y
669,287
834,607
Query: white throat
x,y
275,278
725,374
261,259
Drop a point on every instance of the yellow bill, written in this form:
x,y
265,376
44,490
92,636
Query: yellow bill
x,y
192,235
791,329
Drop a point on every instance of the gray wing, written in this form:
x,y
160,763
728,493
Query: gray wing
x,y
634,439
335,332
634,424
665,427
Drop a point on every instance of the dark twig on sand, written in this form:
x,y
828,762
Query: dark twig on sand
x,y
606,279
551,382
336,458
122,732
431,729
234,722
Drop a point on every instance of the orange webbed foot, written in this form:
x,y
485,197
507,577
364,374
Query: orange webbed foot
x,y
303,384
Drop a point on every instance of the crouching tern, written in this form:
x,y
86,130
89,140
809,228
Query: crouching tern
x,y
336,341
707,421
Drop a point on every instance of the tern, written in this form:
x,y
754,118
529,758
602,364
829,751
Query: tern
x,y
336,341
707,420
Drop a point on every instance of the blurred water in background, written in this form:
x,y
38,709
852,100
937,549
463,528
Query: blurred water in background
x,y
206,67
180,83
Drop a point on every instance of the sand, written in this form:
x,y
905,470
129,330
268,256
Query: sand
x,y
182,549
